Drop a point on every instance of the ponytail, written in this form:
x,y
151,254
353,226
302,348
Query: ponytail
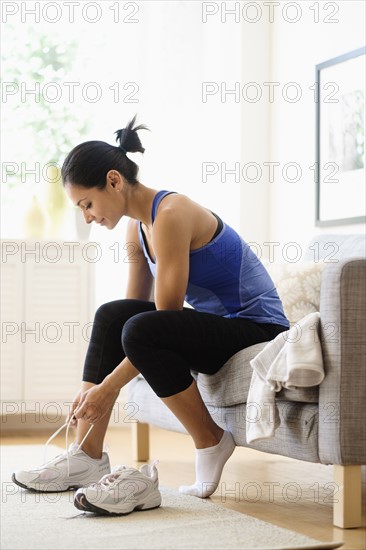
x,y
88,163
128,138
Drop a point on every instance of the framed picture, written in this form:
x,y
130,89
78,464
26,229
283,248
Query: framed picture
x,y
340,140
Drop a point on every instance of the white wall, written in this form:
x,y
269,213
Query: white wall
x,y
255,120
285,132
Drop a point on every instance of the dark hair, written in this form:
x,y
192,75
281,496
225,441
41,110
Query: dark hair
x,y
88,163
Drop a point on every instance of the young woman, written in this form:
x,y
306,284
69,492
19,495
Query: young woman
x,y
190,255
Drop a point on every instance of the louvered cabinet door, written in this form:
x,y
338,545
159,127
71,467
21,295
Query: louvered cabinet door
x,y
59,313
11,355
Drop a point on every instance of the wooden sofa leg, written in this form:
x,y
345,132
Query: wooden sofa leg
x,y
140,441
347,505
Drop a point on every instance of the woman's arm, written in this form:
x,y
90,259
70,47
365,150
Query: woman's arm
x,y
171,240
140,279
139,286
172,234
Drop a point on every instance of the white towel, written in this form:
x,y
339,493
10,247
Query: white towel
x,y
293,359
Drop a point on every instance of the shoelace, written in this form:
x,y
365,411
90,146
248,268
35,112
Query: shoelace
x,y
67,425
107,480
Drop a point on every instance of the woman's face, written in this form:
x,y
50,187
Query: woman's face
x,y
103,206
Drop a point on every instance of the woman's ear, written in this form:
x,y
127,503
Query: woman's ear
x,y
115,180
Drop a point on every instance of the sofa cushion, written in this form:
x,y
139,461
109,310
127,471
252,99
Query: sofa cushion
x,y
230,385
298,286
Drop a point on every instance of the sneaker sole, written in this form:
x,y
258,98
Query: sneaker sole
x,y
34,490
82,503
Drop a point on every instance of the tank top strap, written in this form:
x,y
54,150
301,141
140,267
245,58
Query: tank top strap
x,y
157,200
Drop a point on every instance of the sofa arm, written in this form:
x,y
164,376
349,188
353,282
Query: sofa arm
x,y
342,394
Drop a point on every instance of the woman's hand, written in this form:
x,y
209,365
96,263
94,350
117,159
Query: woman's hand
x,y
95,403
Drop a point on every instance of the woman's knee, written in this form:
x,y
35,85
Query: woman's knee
x,y
116,307
108,311
137,329
123,309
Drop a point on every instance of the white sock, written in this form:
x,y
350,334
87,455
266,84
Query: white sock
x,y
209,465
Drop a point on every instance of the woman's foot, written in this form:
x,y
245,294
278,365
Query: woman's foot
x,y
209,465
69,470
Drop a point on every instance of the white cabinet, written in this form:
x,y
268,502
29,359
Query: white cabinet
x,y
11,314
47,310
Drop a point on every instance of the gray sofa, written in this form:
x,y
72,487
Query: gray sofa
x,y
323,424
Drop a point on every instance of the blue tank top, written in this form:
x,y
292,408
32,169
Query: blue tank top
x,y
226,277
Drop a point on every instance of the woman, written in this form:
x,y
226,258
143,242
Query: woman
x,y
192,255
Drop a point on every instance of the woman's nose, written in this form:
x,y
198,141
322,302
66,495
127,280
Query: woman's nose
x,y
88,217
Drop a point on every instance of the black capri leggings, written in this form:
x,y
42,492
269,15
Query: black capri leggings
x,y
165,345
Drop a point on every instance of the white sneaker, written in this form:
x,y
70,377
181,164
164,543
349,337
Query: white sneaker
x,y
69,470
122,491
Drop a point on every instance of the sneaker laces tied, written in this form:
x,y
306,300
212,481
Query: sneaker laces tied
x,y
108,479
67,425
120,471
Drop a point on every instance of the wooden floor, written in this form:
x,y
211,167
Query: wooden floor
x,y
289,493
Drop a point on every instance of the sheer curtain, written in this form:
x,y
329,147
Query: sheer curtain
x,y
153,62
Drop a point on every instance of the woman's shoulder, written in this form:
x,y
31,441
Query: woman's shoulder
x,y
180,214
174,200
175,208
179,203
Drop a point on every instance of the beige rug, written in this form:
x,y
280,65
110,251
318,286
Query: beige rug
x,y
51,522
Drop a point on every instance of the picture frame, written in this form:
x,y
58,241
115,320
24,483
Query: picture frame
x,y
340,140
